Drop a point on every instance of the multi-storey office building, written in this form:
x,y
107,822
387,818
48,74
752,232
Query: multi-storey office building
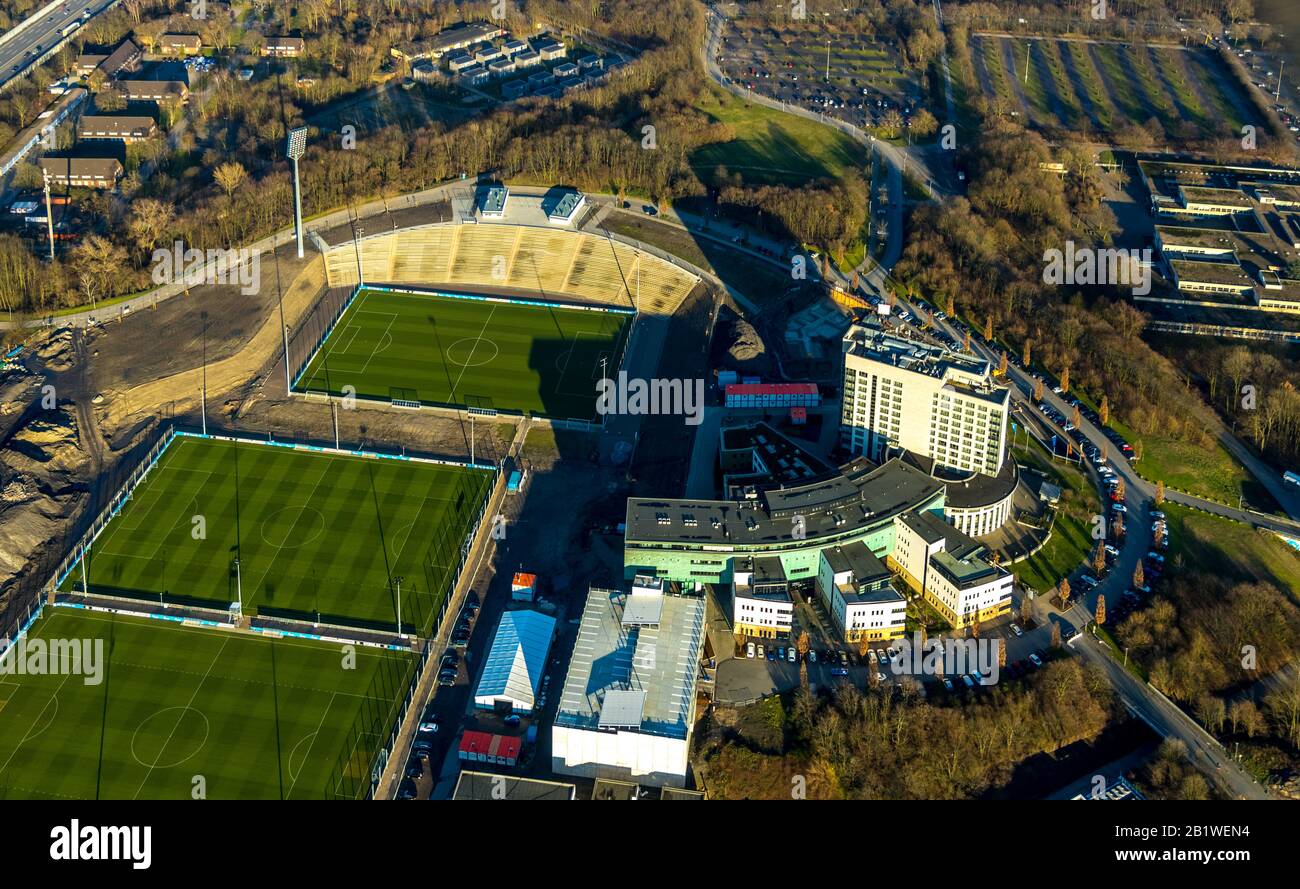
x,y
900,394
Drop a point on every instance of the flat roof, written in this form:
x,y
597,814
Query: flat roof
x,y
857,558
1204,194
485,785
859,496
495,199
964,374
972,489
1227,273
660,663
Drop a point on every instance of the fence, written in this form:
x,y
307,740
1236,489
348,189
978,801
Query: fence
x,y
374,730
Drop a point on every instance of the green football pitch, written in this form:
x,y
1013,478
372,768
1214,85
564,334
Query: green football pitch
x,y
182,711
443,350
292,533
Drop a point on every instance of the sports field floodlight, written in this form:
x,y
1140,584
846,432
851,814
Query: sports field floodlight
x,y
398,581
296,147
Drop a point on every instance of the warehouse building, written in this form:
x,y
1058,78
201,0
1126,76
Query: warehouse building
x,y
516,662
627,708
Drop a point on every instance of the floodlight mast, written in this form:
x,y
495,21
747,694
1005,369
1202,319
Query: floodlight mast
x,y
239,586
398,581
49,212
295,149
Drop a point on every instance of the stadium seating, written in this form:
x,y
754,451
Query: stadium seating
x,y
544,261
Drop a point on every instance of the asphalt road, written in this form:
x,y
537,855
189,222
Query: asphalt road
x,y
28,45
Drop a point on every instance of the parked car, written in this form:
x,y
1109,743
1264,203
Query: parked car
x,y
1015,628
1035,660
749,649
791,655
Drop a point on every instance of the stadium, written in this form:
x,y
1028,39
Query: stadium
x,y
266,607
503,313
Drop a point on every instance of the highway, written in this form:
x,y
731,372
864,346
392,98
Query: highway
x,y
36,37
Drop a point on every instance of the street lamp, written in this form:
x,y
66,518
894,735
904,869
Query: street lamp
x,y
296,147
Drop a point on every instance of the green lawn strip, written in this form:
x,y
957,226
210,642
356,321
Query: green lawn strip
x,y
1121,88
1169,61
1071,542
1050,50
1087,72
1227,110
315,533
1157,95
1033,86
182,710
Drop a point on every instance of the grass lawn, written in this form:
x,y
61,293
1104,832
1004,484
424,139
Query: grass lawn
x,y
772,147
1210,544
179,708
1071,542
499,354
1211,473
314,533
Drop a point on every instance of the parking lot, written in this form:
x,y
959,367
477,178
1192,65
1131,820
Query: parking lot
x,y
763,667
848,76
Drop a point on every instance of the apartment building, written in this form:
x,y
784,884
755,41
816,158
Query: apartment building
x,y
113,126
83,172
900,394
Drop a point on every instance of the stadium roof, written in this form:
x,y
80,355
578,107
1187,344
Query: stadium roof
x,y
515,664
639,678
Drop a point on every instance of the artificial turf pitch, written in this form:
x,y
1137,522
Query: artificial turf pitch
x,y
317,535
444,350
183,710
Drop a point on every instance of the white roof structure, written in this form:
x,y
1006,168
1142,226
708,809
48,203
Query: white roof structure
x,y
517,660
636,674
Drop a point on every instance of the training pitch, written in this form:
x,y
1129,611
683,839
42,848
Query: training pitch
x,y
183,712
290,533
445,350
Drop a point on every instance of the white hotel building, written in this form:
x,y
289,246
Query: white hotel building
x,y
904,395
